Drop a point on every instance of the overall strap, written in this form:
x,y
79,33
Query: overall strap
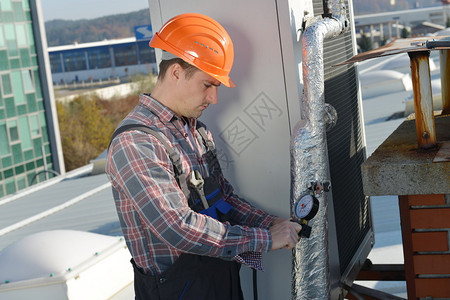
x,y
173,155
204,135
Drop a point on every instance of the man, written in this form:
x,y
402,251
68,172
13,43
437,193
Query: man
x,y
187,231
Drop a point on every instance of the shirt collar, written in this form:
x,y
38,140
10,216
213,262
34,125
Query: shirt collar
x,y
164,113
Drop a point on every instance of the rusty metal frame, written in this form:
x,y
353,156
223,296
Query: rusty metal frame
x,y
418,50
403,46
381,272
423,99
360,292
445,80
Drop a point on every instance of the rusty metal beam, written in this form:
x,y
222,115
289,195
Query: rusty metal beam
x,y
423,100
360,292
405,219
445,80
381,272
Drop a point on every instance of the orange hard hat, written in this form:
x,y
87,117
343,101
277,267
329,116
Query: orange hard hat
x,y
200,41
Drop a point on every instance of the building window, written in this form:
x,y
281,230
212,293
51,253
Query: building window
x,y
23,124
6,84
6,5
28,85
4,142
35,130
125,55
21,35
99,58
31,37
18,11
55,62
11,42
146,54
10,186
25,57
74,61
19,95
13,131
24,130
2,38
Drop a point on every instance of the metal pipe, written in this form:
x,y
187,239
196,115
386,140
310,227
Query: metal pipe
x,y
310,276
445,80
423,99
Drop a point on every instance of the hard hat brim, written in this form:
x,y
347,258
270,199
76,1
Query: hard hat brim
x,y
157,42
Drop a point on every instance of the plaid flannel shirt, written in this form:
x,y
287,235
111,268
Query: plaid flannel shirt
x,y
156,221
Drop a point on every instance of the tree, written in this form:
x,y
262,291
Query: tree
x,y
85,131
364,43
87,123
405,33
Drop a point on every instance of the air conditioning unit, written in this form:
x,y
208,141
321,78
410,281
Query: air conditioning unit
x,y
253,124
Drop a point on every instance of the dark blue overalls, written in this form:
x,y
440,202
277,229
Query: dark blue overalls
x,y
192,277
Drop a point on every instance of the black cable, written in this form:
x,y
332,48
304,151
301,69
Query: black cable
x,y
255,285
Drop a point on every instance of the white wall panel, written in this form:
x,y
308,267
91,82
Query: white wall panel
x,y
252,122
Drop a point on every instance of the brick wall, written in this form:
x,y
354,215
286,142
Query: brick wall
x,y
426,231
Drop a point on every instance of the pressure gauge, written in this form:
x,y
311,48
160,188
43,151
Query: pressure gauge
x,y
307,207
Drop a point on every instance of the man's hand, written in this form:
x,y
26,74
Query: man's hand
x,y
284,234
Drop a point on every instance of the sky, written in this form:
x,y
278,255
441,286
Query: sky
x,y
88,9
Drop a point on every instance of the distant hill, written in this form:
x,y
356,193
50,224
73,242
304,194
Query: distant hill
x,y
63,32
362,7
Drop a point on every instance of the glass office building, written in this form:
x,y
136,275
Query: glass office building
x,y
101,60
29,135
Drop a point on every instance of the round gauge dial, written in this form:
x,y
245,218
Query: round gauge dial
x,y
307,207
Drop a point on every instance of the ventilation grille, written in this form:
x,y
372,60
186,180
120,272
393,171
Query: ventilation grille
x,y
346,150
318,7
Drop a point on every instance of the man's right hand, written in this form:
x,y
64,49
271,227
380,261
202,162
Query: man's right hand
x,y
284,234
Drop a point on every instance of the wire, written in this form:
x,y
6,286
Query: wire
x,y
255,285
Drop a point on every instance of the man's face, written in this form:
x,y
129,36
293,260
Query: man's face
x,y
196,94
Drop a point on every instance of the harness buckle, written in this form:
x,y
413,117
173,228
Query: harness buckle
x,y
197,183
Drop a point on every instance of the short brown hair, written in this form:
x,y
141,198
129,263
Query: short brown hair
x,y
165,64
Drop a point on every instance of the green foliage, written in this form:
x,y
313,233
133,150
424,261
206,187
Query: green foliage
x,y
364,43
143,83
61,32
405,33
86,125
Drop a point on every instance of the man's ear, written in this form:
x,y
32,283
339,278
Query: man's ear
x,y
175,71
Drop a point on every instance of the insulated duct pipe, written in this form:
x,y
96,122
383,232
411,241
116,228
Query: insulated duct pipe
x,y
310,276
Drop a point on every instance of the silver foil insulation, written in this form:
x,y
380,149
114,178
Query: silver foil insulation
x,y
309,162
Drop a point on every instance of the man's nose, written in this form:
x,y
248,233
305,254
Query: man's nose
x,y
212,96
